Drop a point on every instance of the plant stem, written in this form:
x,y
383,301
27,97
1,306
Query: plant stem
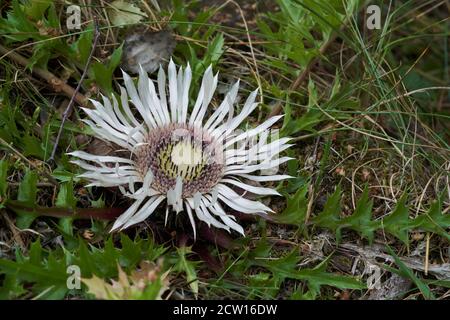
x,y
72,99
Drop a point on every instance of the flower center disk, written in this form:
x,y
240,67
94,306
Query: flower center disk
x,y
178,150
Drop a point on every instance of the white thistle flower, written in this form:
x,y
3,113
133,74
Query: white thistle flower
x,y
187,160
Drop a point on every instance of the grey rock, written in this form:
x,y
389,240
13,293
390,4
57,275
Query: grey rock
x,y
147,48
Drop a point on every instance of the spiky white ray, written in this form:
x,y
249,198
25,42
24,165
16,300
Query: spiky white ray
x,y
143,110
226,107
239,203
209,84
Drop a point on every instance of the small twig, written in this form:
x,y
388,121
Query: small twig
x,y
72,99
31,164
311,193
250,45
56,83
427,255
15,231
313,186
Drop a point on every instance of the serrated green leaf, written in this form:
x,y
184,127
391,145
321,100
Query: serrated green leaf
x,y
11,288
305,122
102,73
261,250
27,194
52,19
188,267
26,271
64,175
28,188
99,203
36,9
84,261
361,219
286,267
16,26
114,60
296,208
83,45
35,254
122,13
66,226
434,220
215,49
131,253
45,271
397,222
330,216
66,197
32,146
317,278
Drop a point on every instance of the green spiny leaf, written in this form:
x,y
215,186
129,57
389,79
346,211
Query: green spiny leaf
x,y
360,220
297,205
188,267
330,216
103,73
434,220
27,194
397,222
36,9
66,197
28,188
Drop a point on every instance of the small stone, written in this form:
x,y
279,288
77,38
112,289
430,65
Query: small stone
x,y
340,171
148,49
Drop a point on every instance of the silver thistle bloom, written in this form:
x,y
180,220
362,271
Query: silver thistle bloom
x,y
187,160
